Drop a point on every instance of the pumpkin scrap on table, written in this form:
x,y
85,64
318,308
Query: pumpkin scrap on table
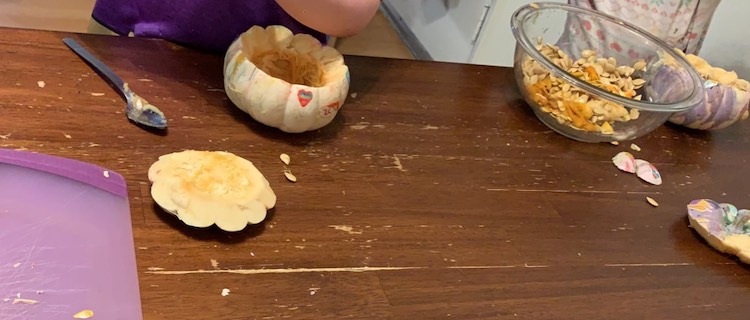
x,y
286,81
723,226
625,161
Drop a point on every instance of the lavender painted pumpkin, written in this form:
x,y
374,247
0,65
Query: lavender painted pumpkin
x,y
726,102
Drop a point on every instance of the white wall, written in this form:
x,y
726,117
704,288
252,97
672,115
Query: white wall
x,y
727,43
444,27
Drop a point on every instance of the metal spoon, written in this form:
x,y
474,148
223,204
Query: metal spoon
x,y
137,108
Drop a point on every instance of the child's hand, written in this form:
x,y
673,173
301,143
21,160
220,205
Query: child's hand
x,y
338,18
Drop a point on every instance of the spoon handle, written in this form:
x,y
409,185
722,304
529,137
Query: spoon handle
x,y
104,71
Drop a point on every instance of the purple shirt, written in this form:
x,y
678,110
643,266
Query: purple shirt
x,y
209,25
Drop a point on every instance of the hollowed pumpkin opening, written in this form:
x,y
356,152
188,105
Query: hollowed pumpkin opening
x,y
288,81
290,66
297,59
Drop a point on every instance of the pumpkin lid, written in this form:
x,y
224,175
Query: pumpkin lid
x,y
203,188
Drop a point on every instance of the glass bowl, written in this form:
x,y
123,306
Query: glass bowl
x,y
595,78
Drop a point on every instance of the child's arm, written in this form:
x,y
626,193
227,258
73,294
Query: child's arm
x,y
338,18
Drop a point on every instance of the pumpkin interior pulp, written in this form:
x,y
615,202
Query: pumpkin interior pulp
x,y
290,66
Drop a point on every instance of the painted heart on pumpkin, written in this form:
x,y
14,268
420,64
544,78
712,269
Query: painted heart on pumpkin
x,y
304,97
722,225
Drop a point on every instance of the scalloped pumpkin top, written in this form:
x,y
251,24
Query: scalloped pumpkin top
x,y
297,59
709,73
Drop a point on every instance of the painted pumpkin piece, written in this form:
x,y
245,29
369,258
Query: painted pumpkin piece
x,y
723,226
286,81
726,101
625,162
203,188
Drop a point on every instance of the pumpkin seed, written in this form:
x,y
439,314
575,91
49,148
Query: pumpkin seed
x,y
534,79
24,301
84,314
599,69
553,95
289,176
639,65
652,201
634,114
610,68
598,109
622,70
606,128
285,158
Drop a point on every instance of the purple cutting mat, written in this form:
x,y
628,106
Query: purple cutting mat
x,y
66,240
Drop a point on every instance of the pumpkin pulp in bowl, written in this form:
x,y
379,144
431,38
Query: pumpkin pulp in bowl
x,y
596,78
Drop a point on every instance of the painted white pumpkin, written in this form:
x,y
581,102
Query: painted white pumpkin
x,y
290,82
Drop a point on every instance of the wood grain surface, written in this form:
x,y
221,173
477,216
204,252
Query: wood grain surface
x,y
434,194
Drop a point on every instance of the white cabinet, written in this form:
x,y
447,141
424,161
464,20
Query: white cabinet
x,y
496,44
445,29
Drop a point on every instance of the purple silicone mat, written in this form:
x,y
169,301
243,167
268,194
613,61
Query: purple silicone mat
x,y
66,240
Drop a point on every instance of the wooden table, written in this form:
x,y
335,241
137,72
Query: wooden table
x,y
435,193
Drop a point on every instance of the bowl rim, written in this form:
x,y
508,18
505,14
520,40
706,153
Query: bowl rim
x,y
524,12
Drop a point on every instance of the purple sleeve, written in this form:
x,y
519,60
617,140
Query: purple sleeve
x,y
208,25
